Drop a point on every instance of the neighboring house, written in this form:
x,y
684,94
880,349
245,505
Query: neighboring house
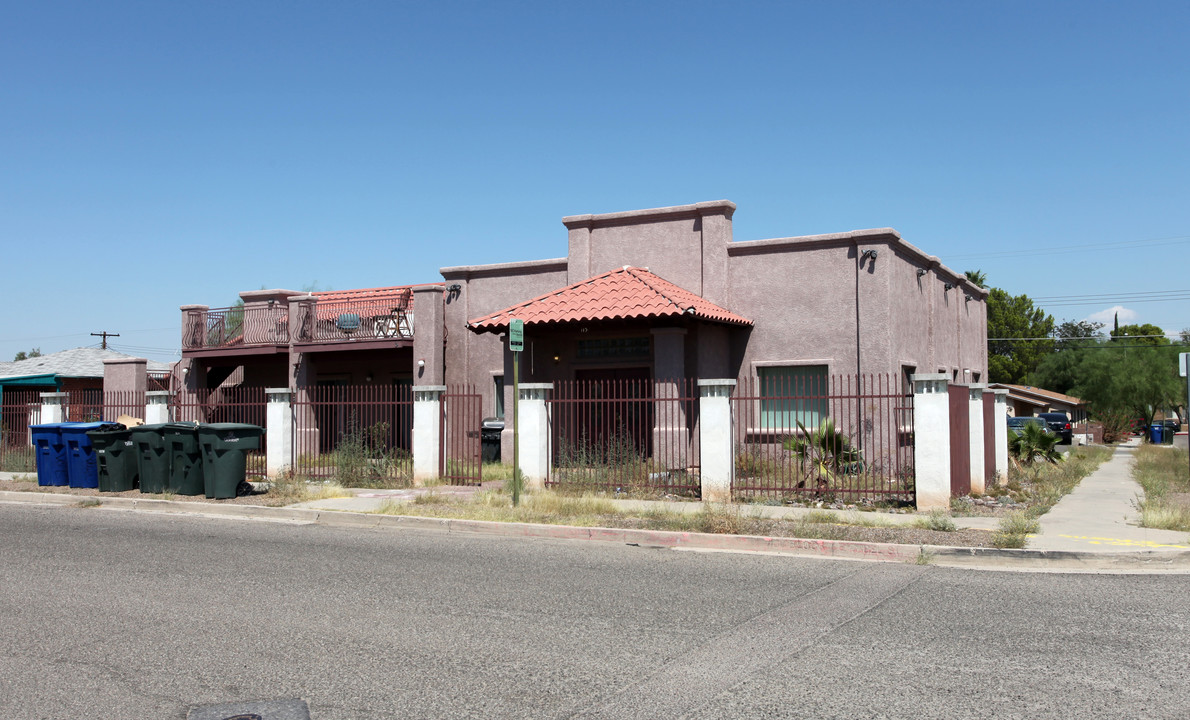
x,y
82,373
1028,401
77,370
648,295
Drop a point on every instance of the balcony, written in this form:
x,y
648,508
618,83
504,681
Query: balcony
x,y
271,321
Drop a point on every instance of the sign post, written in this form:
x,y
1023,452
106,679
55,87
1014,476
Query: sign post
x,y
1184,371
516,343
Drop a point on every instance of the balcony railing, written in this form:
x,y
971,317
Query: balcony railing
x,y
353,320
385,318
236,327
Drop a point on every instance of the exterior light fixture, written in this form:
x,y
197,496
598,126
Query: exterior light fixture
x,y
948,287
454,288
921,271
421,363
870,254
967,298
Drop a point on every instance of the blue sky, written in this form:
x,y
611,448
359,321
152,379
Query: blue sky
x,y
157,154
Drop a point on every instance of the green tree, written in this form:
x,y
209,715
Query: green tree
x,y
22,355
979,277
1147,334
1120,382
1075,333
1014,326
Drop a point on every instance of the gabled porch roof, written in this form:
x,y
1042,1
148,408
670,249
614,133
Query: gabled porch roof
x,y
629,293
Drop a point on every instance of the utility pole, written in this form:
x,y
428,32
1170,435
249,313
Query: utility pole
x,y
105,335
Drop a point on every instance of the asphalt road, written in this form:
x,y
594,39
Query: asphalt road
x,y
111,614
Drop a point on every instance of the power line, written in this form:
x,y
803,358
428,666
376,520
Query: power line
x,y
1122,244
1146,293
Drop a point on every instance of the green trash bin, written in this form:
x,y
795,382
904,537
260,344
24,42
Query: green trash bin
x,y
115,458
225,449
152,461
185,459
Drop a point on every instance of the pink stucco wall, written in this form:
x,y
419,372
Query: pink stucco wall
x,y
813,299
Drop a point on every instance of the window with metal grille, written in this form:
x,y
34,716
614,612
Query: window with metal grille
x,y
792,395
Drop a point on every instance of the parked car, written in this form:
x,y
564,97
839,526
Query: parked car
x,y
1173,423
1059,423
1016,425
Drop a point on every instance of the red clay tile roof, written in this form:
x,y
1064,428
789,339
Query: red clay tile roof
x,y
627,293
365,294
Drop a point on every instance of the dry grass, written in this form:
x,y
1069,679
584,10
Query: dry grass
x,y
289,489
1015,529
1164,473
592,510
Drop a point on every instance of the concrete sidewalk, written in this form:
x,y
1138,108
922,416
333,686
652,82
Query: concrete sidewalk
x,y
1101,516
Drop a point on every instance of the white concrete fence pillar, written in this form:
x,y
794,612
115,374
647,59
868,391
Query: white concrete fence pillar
x,y
427,432
1000,416
157,407
53,408
931,440
533,435
716,452
278,424
975,413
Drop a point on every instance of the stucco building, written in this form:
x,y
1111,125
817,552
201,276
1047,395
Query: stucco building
x,y
651,295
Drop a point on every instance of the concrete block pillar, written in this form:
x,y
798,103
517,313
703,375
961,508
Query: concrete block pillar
x,y
533,436
977,439
717,456
53,408
278,424
125,375
1000,418
427,433
931,440
157,407
671,436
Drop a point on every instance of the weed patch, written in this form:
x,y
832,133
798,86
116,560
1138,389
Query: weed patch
x,y
1162,472
1015,529
288,489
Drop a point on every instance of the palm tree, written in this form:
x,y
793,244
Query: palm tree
x,y
979,277
825,453
1034,443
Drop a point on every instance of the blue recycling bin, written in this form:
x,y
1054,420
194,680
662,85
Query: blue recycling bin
x,y
1156,433
82,468
51,454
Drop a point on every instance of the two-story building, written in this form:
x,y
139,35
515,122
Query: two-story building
x,y
651,296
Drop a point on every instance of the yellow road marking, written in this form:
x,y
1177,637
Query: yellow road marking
x,y
1118,542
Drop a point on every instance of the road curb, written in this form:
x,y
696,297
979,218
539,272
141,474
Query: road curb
x,y
943,556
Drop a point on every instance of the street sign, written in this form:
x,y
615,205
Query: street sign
x,y
516,335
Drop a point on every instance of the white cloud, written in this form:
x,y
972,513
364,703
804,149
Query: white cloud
x,y
1108,316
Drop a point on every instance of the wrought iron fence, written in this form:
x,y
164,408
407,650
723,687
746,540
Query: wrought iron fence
x,y
460,437
625,435
245,405
358,436
100,406
805,437
18,410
